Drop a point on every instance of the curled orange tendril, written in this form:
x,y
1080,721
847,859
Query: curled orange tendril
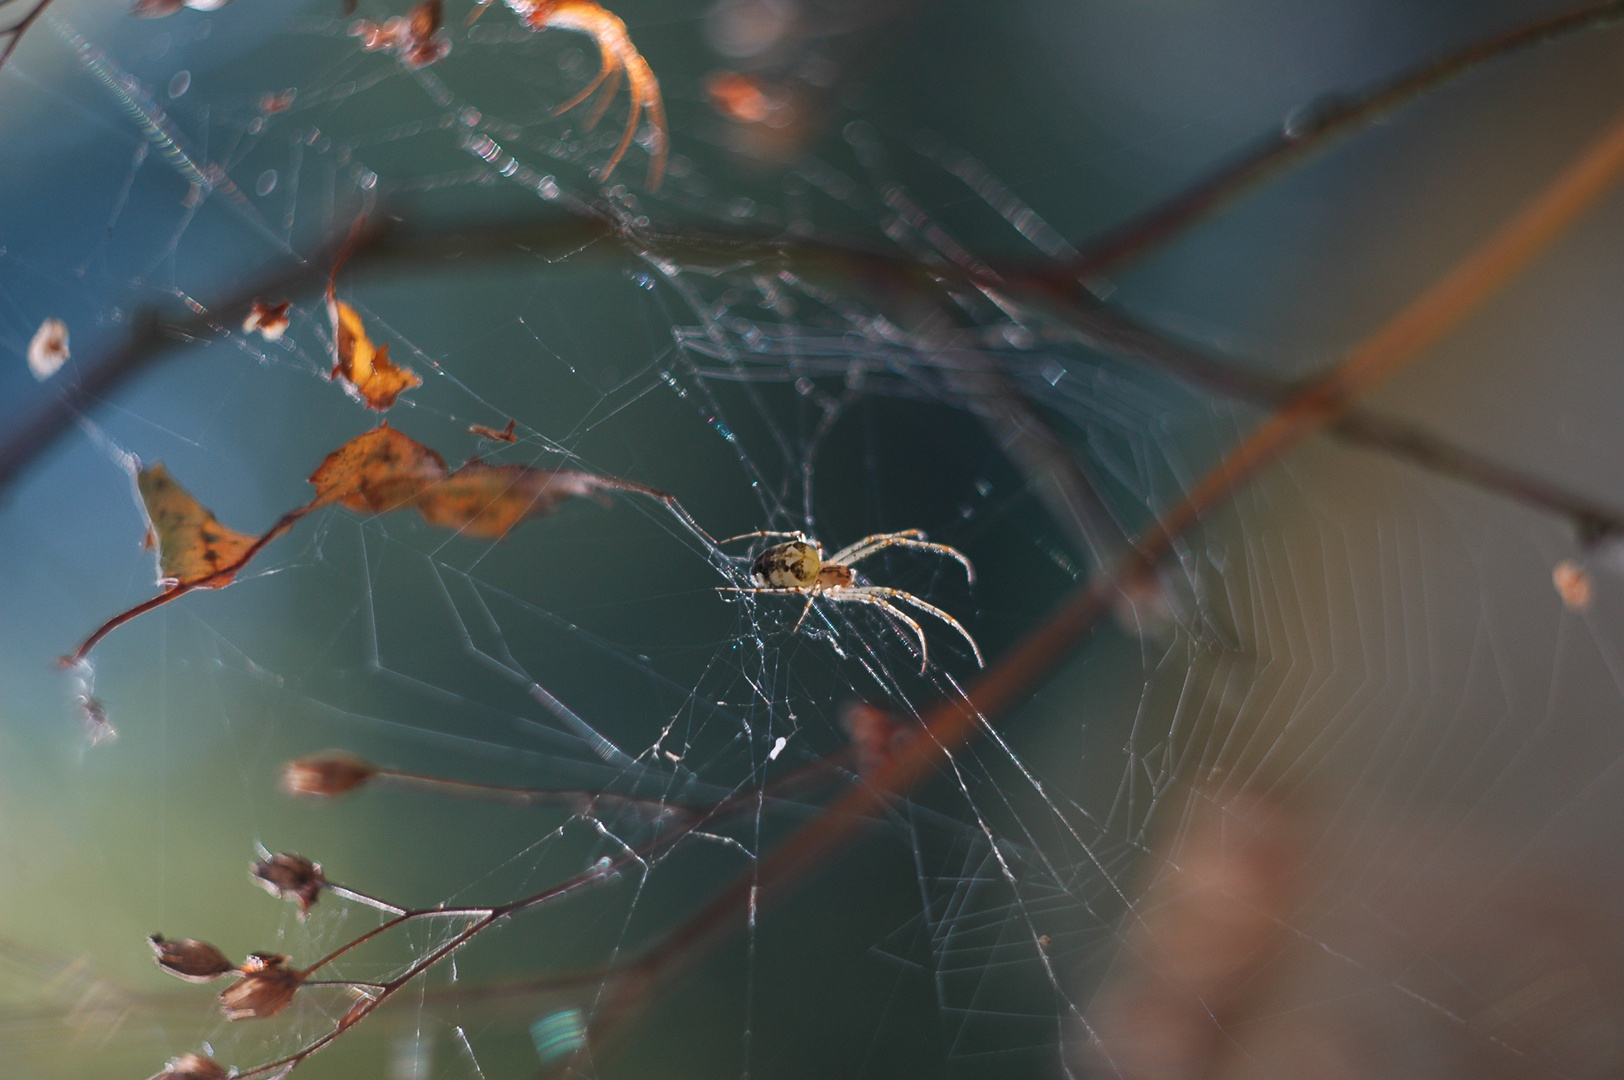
x,y
620,58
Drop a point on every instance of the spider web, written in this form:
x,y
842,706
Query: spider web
x,y
1371,651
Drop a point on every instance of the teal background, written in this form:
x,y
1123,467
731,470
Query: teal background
x,y
1386,640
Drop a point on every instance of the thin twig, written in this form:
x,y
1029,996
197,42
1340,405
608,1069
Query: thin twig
x,y
14,33
1314,128
483,918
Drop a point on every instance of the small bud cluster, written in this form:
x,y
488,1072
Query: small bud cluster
x,y
290,877
192,1067
327,774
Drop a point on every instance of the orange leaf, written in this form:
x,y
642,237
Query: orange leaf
x,y
487,500
365,368
504,435
192,545
377,472
373,473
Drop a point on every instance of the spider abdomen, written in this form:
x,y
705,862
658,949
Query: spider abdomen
x,y
793,565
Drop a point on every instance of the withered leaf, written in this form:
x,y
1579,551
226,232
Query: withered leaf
x,y
190,959
364,368
377,472
486,501
267,986
194,549
505,435
415,36
374,473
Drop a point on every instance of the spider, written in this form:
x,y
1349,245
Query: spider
x,y
619,58
798,567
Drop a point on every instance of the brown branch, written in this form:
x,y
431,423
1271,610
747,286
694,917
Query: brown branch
x,y
1314,129
13,34
1109,331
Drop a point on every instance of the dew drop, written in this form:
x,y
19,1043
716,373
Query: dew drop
x,y
266,183
369,180
181,83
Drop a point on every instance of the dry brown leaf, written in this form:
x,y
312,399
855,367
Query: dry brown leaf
x,y
505,435
193,547
415,36
377,472
488,500
364,368
374,473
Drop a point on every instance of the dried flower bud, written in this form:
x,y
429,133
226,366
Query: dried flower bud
x,y
48,351
331,772
192,1067
271,320
1572,584
291,877
190,959
265,989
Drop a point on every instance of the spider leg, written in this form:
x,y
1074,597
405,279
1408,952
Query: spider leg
x,y
856,550
913,539
646,87
910,598
607,98
768,532
860,596
620,59
811,595
603,73
625,138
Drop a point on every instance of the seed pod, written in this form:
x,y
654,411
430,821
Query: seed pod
x,y
192,1067
331,772
265,989
291,877
190,959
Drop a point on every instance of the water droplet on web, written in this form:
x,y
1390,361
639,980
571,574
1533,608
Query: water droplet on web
x,y
181,83
804,386
470,116
547,188
1052,372
984,488
368,181
266,183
